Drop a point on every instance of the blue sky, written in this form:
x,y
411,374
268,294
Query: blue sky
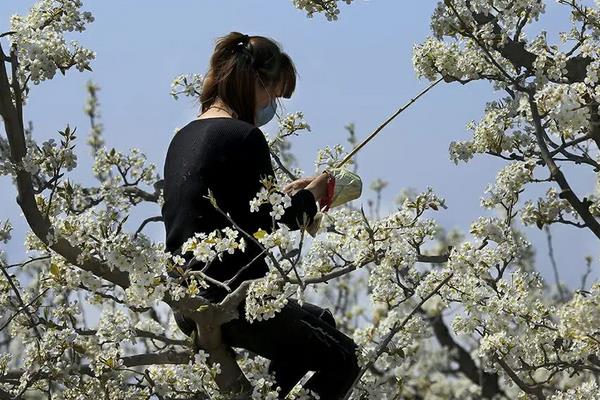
x,y
357,69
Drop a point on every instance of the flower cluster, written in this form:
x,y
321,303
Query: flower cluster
x,y
265,297
194,377
509,184
565,105
105,360
133,163
268,194
586,391
290,125
115,326
433,58
547,210
99,235
492,134
187,85
207,247
51,157
47,354
328,8
330,156
42,48
4,360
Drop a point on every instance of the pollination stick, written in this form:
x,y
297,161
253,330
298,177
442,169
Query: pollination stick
x,y
351,185
376,131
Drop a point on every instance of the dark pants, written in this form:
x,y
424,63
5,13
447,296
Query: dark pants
x,y
297,339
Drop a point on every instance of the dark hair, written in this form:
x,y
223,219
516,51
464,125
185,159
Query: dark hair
x,y
237,63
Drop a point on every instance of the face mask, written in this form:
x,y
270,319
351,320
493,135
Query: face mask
x,y
265,114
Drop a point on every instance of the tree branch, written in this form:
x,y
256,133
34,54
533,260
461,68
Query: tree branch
x,y
557,175
395,329
516,53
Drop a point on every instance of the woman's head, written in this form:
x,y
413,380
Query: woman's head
x,y
246,73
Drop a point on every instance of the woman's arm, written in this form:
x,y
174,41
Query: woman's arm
x,y
303,206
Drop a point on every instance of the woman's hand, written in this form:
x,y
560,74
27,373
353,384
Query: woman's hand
x,y
318,186
298,184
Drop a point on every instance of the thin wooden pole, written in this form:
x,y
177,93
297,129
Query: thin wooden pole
x,y
376,131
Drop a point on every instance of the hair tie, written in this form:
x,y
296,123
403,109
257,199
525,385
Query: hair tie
x,y
243,42
246,47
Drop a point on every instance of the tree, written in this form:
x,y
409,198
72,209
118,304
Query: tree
x,y
510,335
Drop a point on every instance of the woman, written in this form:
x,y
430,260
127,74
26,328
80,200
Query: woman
x,y
224,150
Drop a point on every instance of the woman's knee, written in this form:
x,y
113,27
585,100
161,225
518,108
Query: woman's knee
x,y
337,375
328,317
322,313
344,359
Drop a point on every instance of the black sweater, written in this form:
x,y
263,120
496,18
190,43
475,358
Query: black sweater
x,y
229,156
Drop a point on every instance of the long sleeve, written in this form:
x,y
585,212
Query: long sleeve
x,y
257,159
